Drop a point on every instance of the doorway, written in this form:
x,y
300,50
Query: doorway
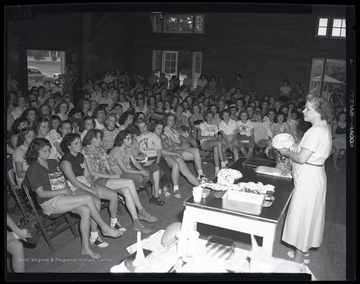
x,y
179,63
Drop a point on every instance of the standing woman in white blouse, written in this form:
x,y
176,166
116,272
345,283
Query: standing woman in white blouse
x,y
304,224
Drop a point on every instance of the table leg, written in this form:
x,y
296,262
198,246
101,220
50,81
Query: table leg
x,y
268,240
188,222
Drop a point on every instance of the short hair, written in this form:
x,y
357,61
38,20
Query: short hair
x,y
206,113
57,107
67,140
88,117
33,151
280,113
22,134
76,110
15,127
97,109
38,121
167,115
137,116
134,129
119,139
153,125
58,130
226,110
54,117
92,133
27,110
340,113
321,105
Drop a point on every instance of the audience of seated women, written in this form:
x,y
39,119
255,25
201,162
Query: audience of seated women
x,y
76,172
99,167
57,197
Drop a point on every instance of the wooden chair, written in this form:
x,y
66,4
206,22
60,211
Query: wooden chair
x,y
52,225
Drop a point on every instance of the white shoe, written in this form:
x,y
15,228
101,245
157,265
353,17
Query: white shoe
x,y
99,242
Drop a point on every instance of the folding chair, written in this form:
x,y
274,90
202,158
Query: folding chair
x,y
17,193
52,225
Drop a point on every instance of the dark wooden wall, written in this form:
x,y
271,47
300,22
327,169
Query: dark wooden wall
x,y
265,48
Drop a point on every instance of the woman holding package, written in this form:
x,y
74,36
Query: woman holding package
x,y
304,224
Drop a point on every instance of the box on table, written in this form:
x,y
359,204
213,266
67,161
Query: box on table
x,y
241,201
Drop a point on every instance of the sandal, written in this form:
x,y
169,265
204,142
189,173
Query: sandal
x,y
167,193
291,254
177,194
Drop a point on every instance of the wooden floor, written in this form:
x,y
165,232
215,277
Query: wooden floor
x,y
327,262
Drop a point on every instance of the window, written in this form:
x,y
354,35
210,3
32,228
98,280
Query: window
x,y
44,66
177,23
323,27
326,75
338,28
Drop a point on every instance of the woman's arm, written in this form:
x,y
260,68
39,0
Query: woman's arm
x,y
170,153
9,150
126,170
92,171
68,171
21,233
40,192
301,158
58,148
19,169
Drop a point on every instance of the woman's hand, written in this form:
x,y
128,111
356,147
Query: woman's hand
x,y
144,173
284,151
67,191
23,234
94,190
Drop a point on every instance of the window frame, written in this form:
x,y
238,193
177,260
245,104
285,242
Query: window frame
x,y
343,20
327,27
160,26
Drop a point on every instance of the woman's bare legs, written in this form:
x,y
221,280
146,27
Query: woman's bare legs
x,y
186,172
108,194
16,249
193,154
336,158
85,214
156,179
70,203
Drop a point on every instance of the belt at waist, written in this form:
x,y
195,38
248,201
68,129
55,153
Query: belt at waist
x,y
313,164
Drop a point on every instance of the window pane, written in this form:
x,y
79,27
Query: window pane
x,y
343,33
322,31
323,22
344,23
335,32
337,23
199,23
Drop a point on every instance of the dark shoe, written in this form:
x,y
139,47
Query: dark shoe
x,y
156,200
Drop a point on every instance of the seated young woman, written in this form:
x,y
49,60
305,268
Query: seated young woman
x,y
98,165
61,198
189,153
174,159
123,159
76,172
228,130
20,165
209,139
